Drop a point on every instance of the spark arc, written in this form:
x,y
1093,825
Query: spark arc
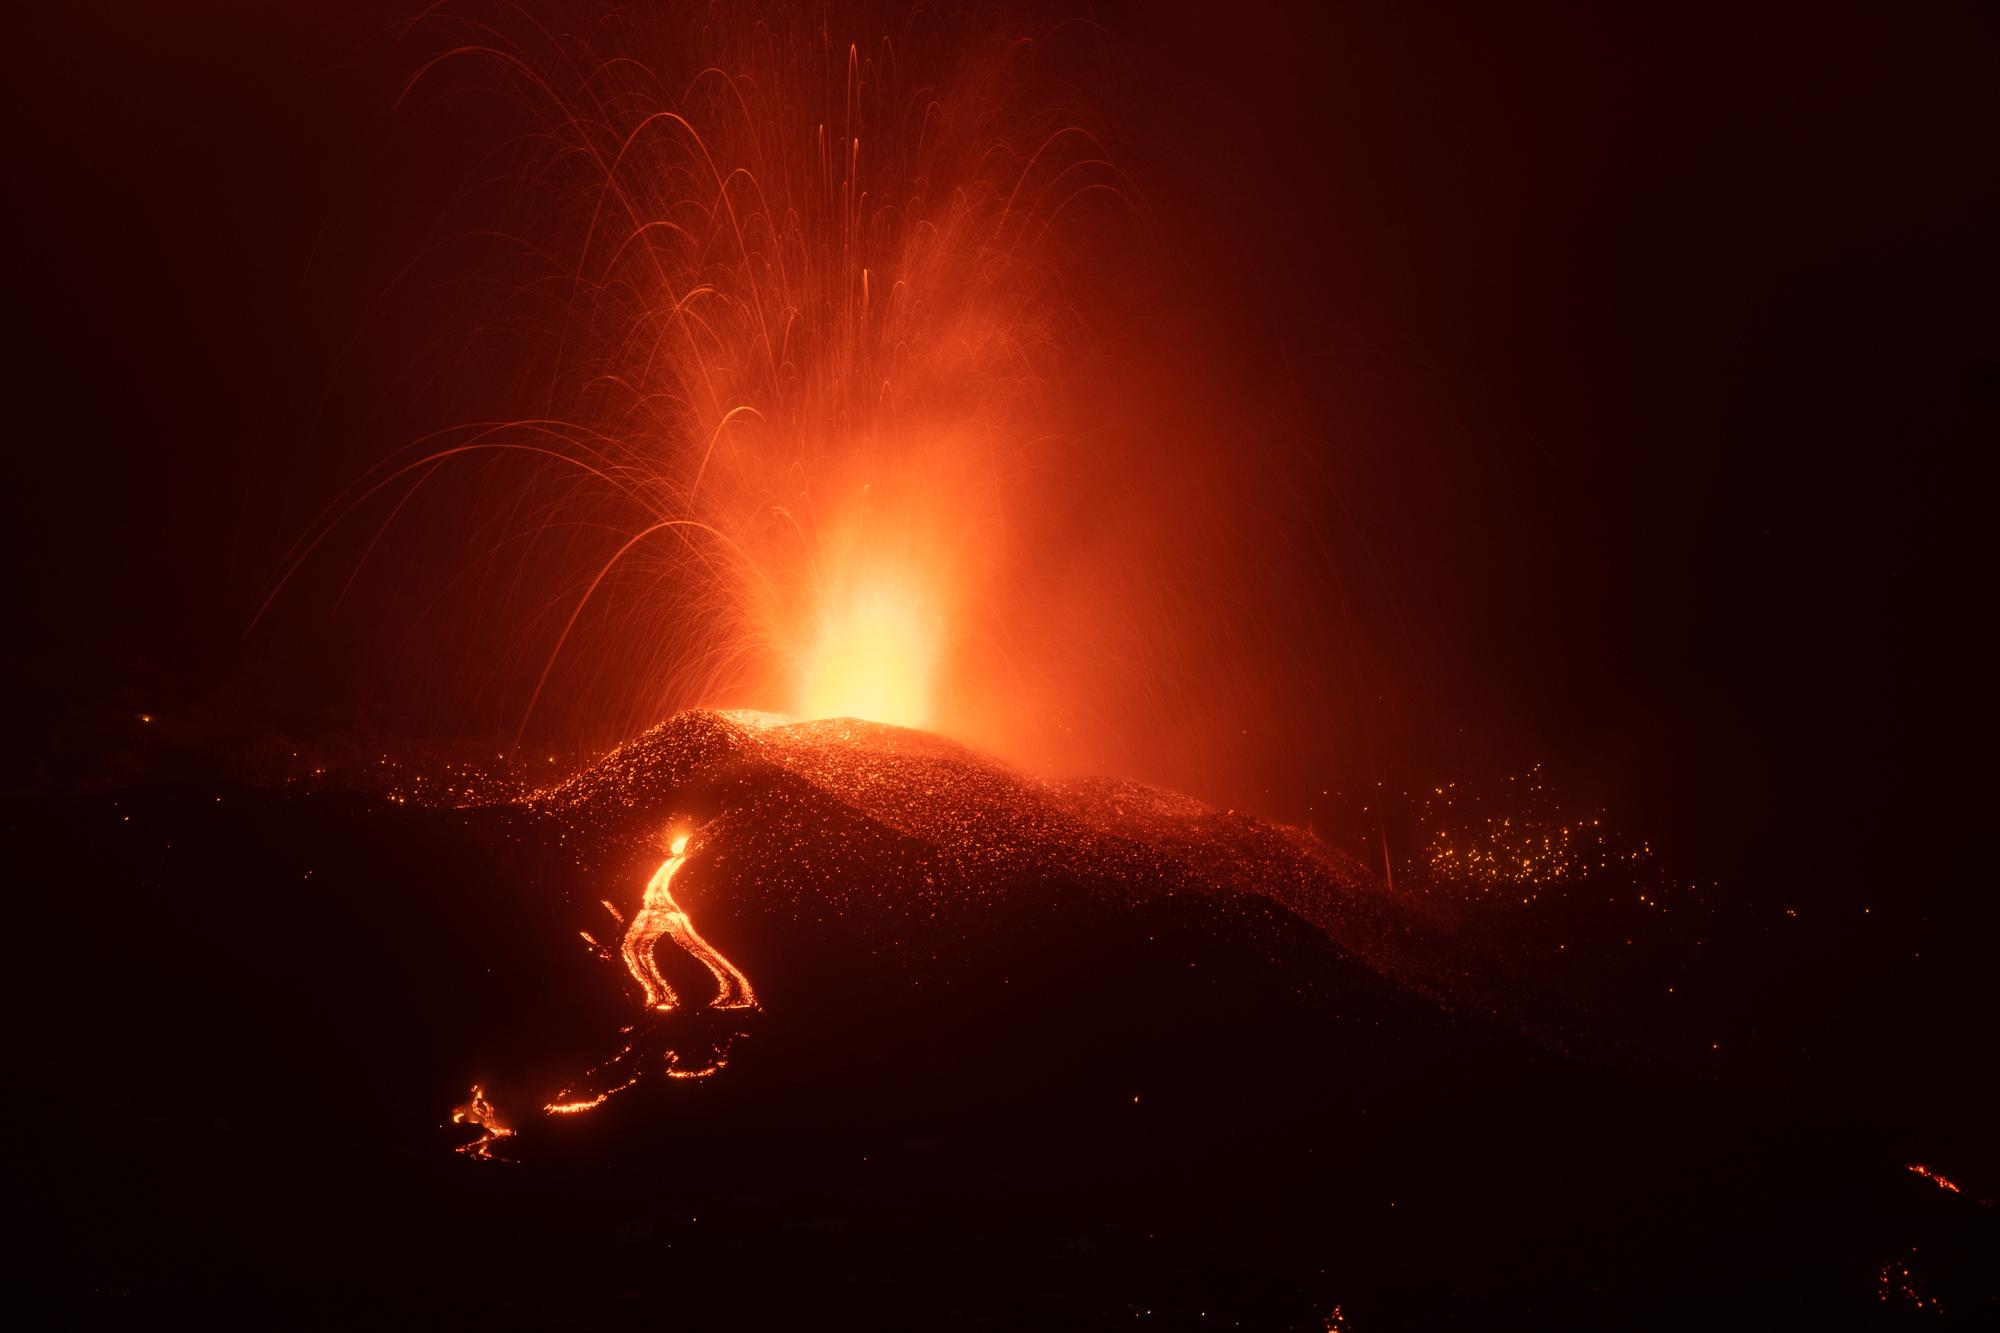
x,y
812,359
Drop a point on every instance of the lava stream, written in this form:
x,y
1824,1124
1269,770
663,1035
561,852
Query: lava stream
x,y
658,915
479,1111
661,915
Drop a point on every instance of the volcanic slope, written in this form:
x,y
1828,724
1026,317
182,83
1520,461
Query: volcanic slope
x,y
846,866
914,844
999,1019
1103,1002
949,1047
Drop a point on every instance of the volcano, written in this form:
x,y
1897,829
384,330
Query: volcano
x,y
839,1020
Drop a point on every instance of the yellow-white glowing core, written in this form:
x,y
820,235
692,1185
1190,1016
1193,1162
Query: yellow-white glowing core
x,y
874,658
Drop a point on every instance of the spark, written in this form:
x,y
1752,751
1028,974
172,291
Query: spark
x,y
1896,1281
833,353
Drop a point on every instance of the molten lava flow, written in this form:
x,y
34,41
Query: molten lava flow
x,y
709,1070
661,915
479,1111
570,1104
1936,1178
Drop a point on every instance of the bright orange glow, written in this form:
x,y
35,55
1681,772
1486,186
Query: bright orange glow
x,y
578,1105
1936,1178
661,915
832,422
479,1111
674,1069
874,660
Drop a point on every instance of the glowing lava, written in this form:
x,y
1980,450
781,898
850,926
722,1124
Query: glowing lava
x,y
661,915
479,1111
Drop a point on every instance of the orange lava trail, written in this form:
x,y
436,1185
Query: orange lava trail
x,y
479,1111
579,1105
661,915
658,917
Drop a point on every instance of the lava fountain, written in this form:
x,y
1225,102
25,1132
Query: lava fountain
x,y
805,298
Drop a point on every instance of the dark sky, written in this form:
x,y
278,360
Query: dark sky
x,y
1655,357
